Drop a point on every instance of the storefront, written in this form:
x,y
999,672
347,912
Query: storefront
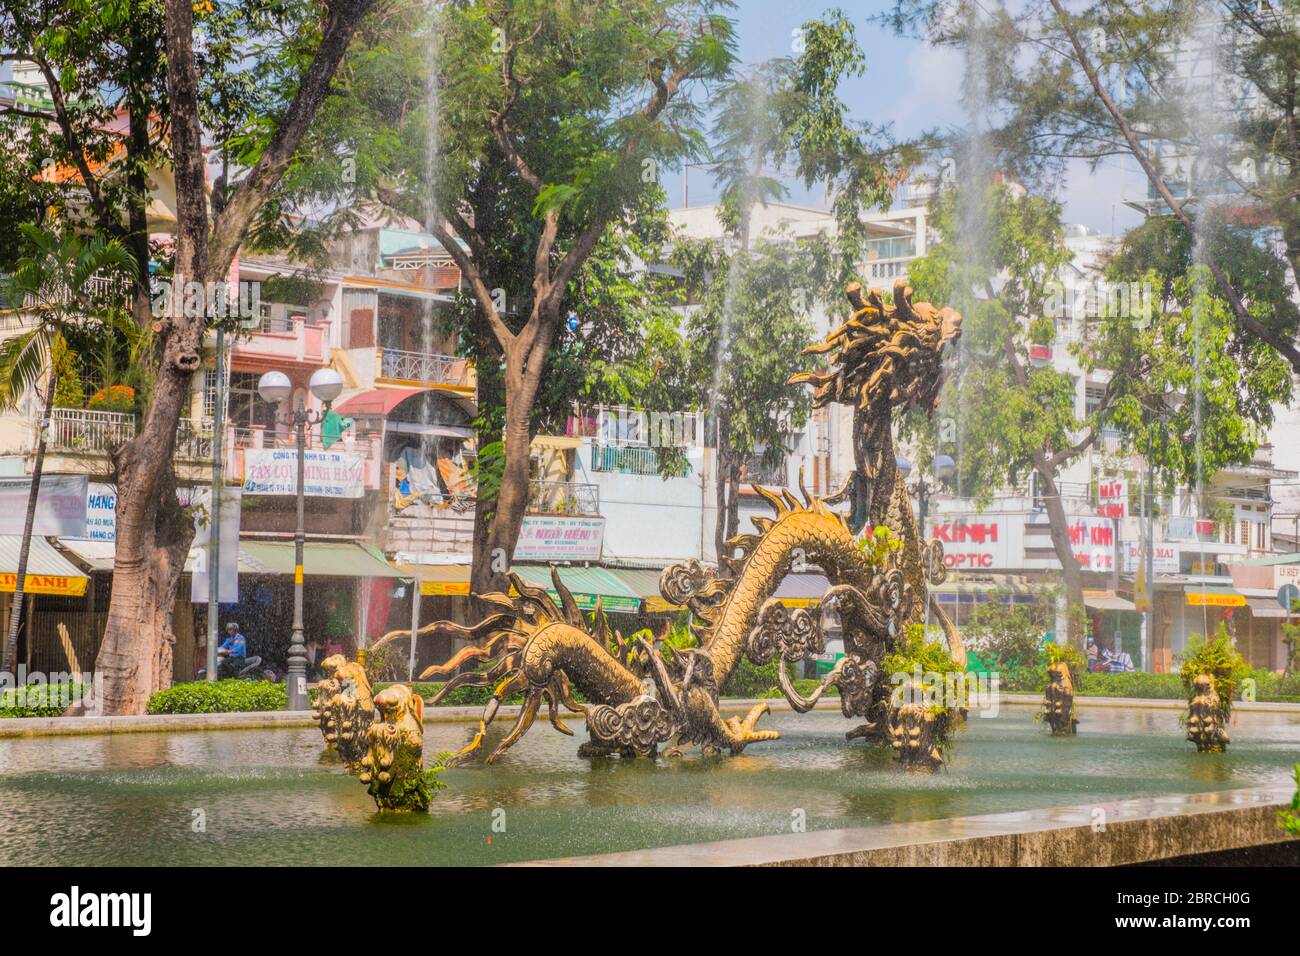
x,y
55,591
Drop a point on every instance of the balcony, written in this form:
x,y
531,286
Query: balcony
x,y
624,426
279,340
625,460
421,368
888,270
83,431
563,498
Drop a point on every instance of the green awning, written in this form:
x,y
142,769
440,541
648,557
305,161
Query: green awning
x,y
586,584
344,559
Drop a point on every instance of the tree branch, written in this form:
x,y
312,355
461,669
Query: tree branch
x,y
232,224
1245,321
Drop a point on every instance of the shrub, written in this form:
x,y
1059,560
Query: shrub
x,y
36,700
218,697
113,398
1289,820
1005,635
1217,657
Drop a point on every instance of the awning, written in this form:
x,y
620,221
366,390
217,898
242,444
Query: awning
x,y
1107,601
48,572
438,579
561,442
1265,608
438,431
344,559
802,590
586,585
377,401
99,555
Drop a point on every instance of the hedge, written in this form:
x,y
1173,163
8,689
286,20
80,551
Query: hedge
x,y
35,700
219,697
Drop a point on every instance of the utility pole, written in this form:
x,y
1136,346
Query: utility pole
x,y
218,468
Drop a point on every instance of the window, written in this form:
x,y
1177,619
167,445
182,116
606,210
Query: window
x,y
246,407
1093,395
210,393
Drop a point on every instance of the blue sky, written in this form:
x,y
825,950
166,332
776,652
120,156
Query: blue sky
x,y
913,86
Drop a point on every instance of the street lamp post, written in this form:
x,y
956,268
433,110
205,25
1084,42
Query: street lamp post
x,y
943,468
275,388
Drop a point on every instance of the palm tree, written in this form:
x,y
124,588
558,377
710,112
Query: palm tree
x,y
55,288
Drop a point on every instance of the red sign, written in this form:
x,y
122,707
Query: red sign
x,y
1113,493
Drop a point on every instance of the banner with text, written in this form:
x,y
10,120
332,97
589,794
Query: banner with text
x,y
560,538
327,474
60,505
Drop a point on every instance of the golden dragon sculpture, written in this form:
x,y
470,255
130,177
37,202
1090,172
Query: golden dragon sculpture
x,y
634,696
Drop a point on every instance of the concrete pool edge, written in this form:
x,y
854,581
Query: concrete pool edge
x,y
11,727
1109,833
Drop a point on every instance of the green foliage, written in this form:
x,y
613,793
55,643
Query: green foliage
x,y
1006,635
39,700
1289,820
913,650
384,663
750,680
218,697
53,280
1077,663
1218,657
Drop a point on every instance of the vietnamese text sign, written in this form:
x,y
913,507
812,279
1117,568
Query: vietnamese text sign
x,y
973,543
1165,559
1214,599
101,512
60,506
1113,494
560,538
327,474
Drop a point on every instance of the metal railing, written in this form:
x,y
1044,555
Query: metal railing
x,y
86,430
563,498
623,425
97,432
887,269
420,366
624,459
194,439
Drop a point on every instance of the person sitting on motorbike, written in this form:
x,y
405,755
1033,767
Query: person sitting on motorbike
x,y
233,650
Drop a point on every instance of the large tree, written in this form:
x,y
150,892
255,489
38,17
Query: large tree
x,y
569,110
152,533
1169,335
1064,81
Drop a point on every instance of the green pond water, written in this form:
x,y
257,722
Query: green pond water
x,y
266,797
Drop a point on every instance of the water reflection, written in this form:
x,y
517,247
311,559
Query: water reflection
x,y
267,797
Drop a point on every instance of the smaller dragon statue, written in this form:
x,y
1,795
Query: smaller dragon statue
x,y
915,730
326,690
354,710
344,708
1207,724
393,765
1058,700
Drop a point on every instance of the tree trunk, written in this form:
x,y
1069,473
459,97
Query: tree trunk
x,y
16,608
153,537
135,656
512,500
1059,523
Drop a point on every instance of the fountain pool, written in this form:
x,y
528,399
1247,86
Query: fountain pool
x,y
264,797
